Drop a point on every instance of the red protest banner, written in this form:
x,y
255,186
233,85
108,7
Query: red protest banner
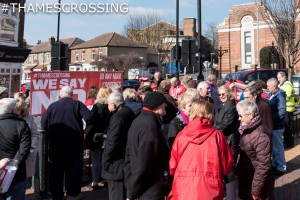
x,y
45,86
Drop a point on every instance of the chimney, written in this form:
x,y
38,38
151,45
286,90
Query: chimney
x,y
189,27
52,40
39,42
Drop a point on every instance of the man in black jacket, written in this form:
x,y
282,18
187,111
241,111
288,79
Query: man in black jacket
x,y
15,142
115,146
147,154
63,124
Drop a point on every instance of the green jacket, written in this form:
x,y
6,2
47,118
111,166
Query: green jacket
x,y
288,87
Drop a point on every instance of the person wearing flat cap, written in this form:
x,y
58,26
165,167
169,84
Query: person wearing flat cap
x,y
3,92
147,154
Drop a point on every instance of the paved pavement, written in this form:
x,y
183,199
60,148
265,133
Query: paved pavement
x,y
287,186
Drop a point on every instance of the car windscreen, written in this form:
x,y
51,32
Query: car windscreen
x,y
235,76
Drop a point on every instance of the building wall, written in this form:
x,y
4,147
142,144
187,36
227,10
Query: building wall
x,y
88,54
232,37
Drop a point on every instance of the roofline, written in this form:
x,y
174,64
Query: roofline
x,y
159,22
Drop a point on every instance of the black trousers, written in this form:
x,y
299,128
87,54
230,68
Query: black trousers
x,y
65,164
288,134
116,190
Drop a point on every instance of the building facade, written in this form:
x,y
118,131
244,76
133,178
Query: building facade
x,y
88,55
243,34
13,50
40,57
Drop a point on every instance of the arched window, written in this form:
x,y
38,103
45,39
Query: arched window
x,y
8,29
247,41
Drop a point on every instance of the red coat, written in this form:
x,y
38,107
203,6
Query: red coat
x,y
200,158
175,92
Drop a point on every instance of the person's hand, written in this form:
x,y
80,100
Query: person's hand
x,y
3,162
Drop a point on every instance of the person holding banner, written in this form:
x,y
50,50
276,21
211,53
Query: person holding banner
x,y
63,124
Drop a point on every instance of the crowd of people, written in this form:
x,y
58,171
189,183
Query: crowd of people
x,y
169,139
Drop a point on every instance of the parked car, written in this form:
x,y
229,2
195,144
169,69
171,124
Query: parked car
x,y
133,83
247,76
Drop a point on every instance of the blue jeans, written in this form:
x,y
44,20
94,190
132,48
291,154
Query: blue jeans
x,y
96,157
15,192
278,150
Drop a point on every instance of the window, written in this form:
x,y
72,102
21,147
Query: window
x,y
47,58
100,53
93,55
248,53
8,28
76,56
83,55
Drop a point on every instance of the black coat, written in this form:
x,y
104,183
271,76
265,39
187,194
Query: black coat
x,y
176,125
63,122
135,106
226,121
100,124
147,158
15,142
115,146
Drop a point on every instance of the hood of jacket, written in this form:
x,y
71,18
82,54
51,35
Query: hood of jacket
x,y
198,130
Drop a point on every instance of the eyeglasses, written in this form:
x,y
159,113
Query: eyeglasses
x,y
222,94
241,116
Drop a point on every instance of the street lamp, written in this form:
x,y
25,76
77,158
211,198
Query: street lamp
x,y
211,59
142,64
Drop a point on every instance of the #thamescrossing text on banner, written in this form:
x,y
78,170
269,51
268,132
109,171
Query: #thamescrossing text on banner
x,y
45,86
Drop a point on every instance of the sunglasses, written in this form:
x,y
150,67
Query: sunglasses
x,y
222,94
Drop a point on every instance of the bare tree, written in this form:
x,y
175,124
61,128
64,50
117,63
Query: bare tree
x,y
149,29
281,17
211,33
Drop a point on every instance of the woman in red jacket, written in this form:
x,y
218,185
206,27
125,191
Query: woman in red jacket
x,y
200,157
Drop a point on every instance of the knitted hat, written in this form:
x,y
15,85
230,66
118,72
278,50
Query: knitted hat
x,y
153,100
3,89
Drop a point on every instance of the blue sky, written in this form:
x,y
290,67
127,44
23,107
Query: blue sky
x,y
41,26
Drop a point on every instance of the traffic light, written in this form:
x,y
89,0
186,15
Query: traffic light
x,y
174,52
189,50
61,49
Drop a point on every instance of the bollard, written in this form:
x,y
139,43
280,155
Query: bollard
x,y
43,160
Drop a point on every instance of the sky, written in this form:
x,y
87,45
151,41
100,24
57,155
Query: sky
x,y
41,25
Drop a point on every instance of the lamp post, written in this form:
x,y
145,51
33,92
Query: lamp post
x,y
221,52
200,75
58,29
211,62
177,38
142,64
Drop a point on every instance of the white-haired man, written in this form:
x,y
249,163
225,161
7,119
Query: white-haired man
x,y
115,146
176,88
204,91
278,107
63,124
15,142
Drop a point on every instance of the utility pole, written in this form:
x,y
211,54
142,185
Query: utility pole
x,y
221,53
200,75
58,29
177,39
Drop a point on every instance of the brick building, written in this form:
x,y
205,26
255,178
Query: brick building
x,y
13,50
244,33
